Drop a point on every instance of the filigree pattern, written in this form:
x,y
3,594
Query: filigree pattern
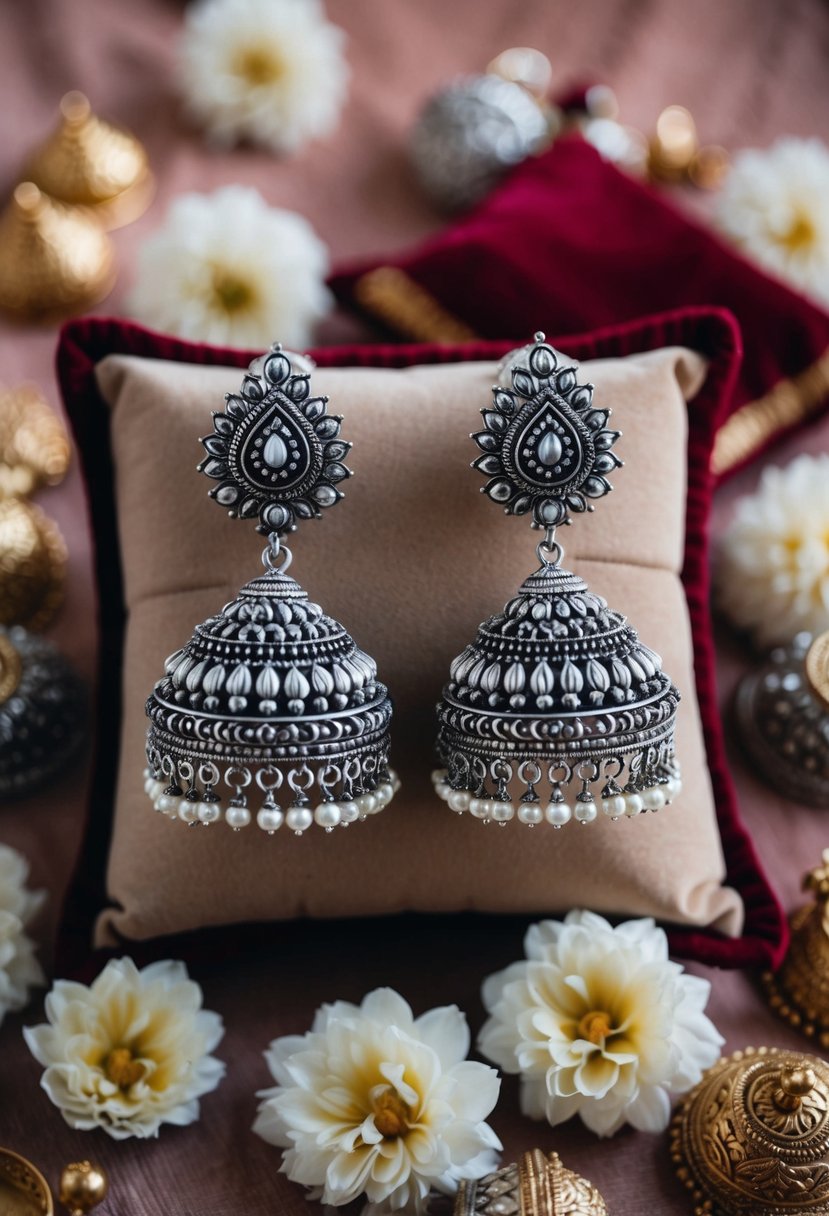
x,y
546,448
275,451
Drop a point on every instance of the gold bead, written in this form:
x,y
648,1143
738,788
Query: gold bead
x,y
83,1185
32,565
34,448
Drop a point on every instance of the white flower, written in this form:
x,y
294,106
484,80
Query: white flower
x,y
775,204
372,1100
19,969
228,269
130,1052
600,1023
269,71
772,574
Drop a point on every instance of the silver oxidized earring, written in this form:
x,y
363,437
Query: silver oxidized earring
x,y
271,701
556,708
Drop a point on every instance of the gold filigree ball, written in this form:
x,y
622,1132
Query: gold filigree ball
x,y
83,1185
32,565
753,1135
537,1185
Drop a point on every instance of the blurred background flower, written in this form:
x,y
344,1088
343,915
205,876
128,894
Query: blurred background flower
x,y
268,71
772,570
373,1100
775,205
19,969
599,1023
227,268
130,1052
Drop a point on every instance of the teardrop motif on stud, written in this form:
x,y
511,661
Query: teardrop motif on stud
x,y
546,446
277,451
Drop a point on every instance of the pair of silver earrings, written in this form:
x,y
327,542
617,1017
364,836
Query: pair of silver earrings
x,y
272,713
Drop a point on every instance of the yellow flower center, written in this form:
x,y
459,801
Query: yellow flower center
x,y
800,234
122,1069
595,1027
258,65
232,293
391,1114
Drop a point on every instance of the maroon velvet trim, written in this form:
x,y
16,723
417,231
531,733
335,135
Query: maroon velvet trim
x,y
714,332
568,242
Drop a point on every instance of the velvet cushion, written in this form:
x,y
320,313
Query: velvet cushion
x,y
569,243
410,563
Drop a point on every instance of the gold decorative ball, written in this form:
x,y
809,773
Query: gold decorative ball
x,y
83,1185
32,565
537,1185
753,1135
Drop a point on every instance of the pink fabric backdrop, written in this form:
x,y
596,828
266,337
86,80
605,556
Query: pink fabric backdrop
x,y
749,70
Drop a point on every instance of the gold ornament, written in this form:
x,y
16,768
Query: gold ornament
x,y
89,163
817,668
753,1136
675,155
23,1189
32,565
54,260
83,1185
799,990
34,448
537,1185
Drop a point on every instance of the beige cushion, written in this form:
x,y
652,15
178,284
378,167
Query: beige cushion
x,y
410,562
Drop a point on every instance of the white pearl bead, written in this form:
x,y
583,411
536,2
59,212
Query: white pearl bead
x,y
385,792
633,804
349,812
395,780
209,812
367,804
237,817
328,814
459,800
443,789
481,808
438,774
188,811
557,813
164,804
156,788
585,812
299,819
530,812
614,806
270,818
502,811
654,798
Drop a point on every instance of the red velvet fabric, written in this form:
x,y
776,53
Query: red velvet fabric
x,y
568,243
711,331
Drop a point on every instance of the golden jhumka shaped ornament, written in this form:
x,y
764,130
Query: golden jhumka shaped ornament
x,y
32,565
54,260
537,1185
799,990
23,1189
753,1136
34,448
87,162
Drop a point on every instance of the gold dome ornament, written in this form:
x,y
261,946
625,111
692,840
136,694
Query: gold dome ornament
x,y
537,1185
54,260
83,1185
753,1136
89,163
799,990
32,565
34,447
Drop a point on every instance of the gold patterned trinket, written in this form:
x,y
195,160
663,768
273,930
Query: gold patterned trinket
x,y
34,448
32,565
23,1189
799,990
89,163
83,1185
537,1185
753,1136
54,260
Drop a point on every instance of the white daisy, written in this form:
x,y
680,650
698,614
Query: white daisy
x,y
772,572
269,71
375,1101
130,1052
599,1023
229,270
19,969
775,205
